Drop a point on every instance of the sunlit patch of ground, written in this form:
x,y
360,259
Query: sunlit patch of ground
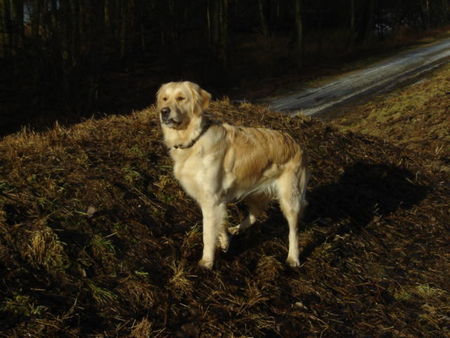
x,y
416,117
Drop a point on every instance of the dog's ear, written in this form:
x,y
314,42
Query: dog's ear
x,y
158,93
205,97
201,97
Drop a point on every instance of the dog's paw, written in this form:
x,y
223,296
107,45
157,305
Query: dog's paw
x,y
206,264
293,262
234,230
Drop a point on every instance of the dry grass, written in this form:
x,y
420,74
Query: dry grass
x,y
415,117
97,238
45,249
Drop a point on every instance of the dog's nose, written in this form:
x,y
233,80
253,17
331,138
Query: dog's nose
x,y
165,112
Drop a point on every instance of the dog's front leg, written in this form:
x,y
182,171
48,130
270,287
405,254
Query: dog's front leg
x,y
213,220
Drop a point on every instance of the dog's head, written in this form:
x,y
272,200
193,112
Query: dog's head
x,y
179,102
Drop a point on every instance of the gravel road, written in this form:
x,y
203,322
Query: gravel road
x,y
381,76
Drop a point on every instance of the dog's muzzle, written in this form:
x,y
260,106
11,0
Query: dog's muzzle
x,y
165,113
166,119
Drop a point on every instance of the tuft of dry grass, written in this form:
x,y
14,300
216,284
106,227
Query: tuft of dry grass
x,y
101,296
138,294
142,328
180,283
269,268
45,249
97,238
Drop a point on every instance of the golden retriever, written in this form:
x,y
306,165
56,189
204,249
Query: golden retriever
x,y
217,163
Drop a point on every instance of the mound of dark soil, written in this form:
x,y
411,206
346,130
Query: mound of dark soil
x,y
96,238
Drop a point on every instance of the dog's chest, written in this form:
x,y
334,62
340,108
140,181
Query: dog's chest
x,y
192,171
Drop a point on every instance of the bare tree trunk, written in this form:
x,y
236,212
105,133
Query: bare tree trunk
x,y
366,27
223,33
111,18
425,8
36,18
299,32
18,23
445,11
352,16
76,31
3,34
141,8
54,7
8,28
217,18
208,20
262,19
371,19
320,29
123,29
352,25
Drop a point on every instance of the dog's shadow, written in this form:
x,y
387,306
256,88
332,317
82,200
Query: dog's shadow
x,y
364,191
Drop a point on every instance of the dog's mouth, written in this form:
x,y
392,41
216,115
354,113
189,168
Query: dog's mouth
x,y
171,122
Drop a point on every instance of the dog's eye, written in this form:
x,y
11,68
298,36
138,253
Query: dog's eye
x,y
164,98
180,98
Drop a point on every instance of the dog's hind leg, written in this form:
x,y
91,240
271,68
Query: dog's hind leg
x,y
291,191
256,205
213,224
224,239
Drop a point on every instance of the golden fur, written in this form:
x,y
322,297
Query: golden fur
x,y
217,163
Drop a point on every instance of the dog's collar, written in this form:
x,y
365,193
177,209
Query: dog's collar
x,y
205,126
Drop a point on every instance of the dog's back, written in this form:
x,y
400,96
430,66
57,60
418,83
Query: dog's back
x,y
256,157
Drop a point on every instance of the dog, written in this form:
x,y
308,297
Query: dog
x,y
217,163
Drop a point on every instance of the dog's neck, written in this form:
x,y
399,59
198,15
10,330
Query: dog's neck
x,y
202,129
185,139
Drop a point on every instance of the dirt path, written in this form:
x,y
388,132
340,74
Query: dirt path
x,y
384,75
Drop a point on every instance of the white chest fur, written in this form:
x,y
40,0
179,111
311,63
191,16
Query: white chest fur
x,y
195,171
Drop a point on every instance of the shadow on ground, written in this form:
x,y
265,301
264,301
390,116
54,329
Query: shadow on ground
x,y
364,191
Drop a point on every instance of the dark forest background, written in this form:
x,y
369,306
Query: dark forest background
x,y
62,59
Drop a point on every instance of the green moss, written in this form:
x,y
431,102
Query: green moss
x,y
22,305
